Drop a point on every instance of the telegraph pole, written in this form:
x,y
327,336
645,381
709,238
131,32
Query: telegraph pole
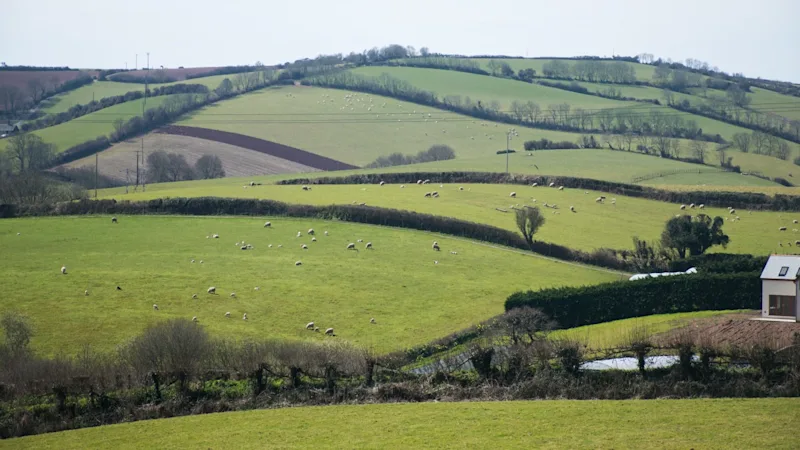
x,y
143,107
96,162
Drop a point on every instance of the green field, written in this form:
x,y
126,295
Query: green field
x,y
769,101
102,89
90,126
487,89
592,226
413,299
645,424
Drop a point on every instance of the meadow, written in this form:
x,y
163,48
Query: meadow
x,y
413,299
650,424
591,226
91,126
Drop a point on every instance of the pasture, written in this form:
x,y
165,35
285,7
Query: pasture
x,y
646,424
591,226
91,126
413,299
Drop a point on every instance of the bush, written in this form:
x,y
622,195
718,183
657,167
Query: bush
x,y
435,153
586,305
546,144
720,263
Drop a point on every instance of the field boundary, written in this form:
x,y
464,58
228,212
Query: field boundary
x,y
259,145
720,199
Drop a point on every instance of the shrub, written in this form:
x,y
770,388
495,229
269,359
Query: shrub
x,y
586,305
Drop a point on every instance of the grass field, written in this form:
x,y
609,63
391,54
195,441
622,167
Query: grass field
x,y
397,283
645,424
644,72
91,126
769,101
102,89
593,225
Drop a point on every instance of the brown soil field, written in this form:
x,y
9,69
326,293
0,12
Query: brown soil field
x,y
260,145
738,330
179,74
20,78
237,161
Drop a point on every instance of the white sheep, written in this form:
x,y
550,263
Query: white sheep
x,y
201,261
561,188
212,290
435,246
513,194
701,206
572,208
782,229
369,245
351,246
372,320
310,326
359,240
313,239
382,183
419,181
63,270
299,234
215,236
535,184
453,253
194,296
113,220
794,221
244,316
228,314
329,332
683,207
733,211
428,194
233,294
306,188
552,184
402,186
194,319
326,233
304,247
267,224
460,188
598,200
86,293
691,206
193,261
298,263
155,307
311,231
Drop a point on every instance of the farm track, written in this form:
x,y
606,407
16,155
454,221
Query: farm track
x,y
260,145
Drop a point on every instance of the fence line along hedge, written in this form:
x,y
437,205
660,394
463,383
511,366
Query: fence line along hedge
x,y
209,206
739,200
586,305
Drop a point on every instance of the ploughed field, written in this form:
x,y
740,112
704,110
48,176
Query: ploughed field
x,y
593,225
413,299
645,424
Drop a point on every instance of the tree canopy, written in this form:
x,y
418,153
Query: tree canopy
x,y
695,235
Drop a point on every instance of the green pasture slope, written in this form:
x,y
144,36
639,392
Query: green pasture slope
x,y
592,226
102,89
643,72
547,424
504,91
91,126
412,299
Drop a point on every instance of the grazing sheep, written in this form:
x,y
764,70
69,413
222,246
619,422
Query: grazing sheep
x,y
316,329
794,221
453,253
561,188
435,195
382,183
402,186
691,205
351,246
613,201
598,200
326,233
311,231
228,314
460,188
733,211
63,270
426,181
256,288
233,294
304,247
782,229
436,262
298,263
155,307
313,239
310,326
86,293
427,194
244,247
280,245
201,261
194,296
683,207
267,224
552,184
306,188
419,181
192,261
215,236
701,206
513,194
329,332
572,208
535,184
372,320
359,240
435,246
368,246
113,220
212,290
244,316
119,288
194,319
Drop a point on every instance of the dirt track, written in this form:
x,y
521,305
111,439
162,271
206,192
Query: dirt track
x,y
270,148
237,161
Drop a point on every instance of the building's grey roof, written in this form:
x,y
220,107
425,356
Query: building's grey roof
x,y
4,127
774,265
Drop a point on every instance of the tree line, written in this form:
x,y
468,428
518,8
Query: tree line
x,y
167,166
434,153
15,99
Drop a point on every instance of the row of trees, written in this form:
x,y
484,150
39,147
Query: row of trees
x,y
590,70
761,143
435,153
165,167
15,99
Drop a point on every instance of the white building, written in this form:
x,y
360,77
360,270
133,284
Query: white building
x,y
780,289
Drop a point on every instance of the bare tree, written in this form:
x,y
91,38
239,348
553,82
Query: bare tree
x,y
534,111
669,96
518,109
493,66
698,149
29,152
529,220
627,139
36,89
12,98
209,166
177,168
742,141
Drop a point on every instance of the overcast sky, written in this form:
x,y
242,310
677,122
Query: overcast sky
x,y
758,38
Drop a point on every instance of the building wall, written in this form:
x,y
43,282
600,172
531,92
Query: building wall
x,y
777,287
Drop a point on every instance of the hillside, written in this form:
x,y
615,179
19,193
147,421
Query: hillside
x,y
590,227
150,258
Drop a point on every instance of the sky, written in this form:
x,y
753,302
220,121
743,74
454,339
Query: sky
x,y
756,38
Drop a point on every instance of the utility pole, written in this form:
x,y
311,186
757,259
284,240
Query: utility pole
x,y
96,162
143,107
137,171
136,64
508,139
